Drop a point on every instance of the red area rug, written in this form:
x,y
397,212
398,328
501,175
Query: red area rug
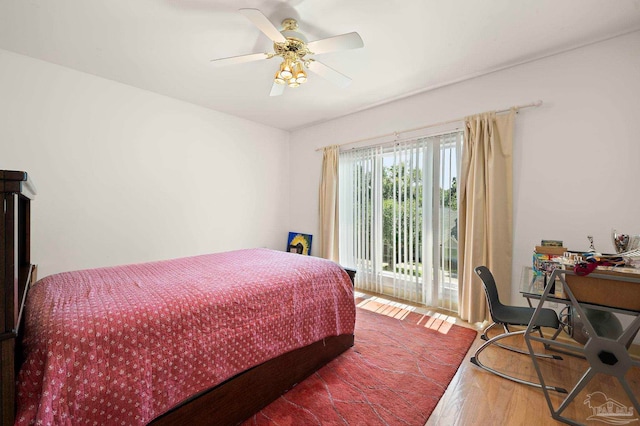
x,y
395,374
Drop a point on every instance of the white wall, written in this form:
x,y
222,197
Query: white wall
x,y
124,175
576,158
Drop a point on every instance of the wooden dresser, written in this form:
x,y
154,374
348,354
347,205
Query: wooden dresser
x,y
16,272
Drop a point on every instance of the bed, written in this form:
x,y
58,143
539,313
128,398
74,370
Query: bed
x,y
184,341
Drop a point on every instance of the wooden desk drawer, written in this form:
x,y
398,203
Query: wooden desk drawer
x,y
601,291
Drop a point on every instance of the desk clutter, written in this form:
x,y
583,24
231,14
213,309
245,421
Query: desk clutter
x,y
551,255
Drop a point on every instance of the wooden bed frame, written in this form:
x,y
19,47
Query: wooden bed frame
x,y
229,403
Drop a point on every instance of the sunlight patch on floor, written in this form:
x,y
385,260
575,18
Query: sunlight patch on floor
x,y
439,322
386,307
426,317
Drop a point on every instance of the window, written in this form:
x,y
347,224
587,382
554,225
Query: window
x,y
398,218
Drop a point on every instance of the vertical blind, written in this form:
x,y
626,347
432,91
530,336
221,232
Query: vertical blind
x,y
398,216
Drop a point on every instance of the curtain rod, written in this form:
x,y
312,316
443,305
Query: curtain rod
x,y
442,123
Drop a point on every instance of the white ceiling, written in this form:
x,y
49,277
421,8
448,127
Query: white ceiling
x,y
409,46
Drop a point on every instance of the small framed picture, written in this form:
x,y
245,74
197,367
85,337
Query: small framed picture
x,y
299,243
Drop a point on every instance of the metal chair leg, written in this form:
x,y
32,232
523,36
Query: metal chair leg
x,y
485,337
493,340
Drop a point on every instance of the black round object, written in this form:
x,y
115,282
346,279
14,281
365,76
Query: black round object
x,y
604,323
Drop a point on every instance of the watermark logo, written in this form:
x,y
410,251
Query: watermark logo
x,y
607,410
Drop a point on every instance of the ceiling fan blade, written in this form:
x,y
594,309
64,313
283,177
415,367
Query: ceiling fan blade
x,y
330,74
239,59
340,42
263,24
276,89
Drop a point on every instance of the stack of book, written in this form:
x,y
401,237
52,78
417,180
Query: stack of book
x,y
547,256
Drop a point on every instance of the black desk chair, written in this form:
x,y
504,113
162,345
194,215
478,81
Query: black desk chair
x,y
506,316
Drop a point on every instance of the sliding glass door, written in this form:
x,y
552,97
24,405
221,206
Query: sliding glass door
x,y
398,218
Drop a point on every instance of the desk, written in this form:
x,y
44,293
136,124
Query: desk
x,y
618,293
532,287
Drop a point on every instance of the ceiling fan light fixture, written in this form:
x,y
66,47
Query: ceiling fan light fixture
x,y
285,70
279,79
301,76
294,49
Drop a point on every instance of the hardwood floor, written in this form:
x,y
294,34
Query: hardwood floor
x,y
477,397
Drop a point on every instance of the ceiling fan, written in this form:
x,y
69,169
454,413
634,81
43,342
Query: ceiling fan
x,y
293,48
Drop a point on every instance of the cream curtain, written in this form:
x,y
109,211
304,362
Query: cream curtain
x,y
329,203
485,209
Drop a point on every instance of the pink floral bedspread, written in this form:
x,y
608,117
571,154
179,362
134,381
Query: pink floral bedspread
x,y
122,345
